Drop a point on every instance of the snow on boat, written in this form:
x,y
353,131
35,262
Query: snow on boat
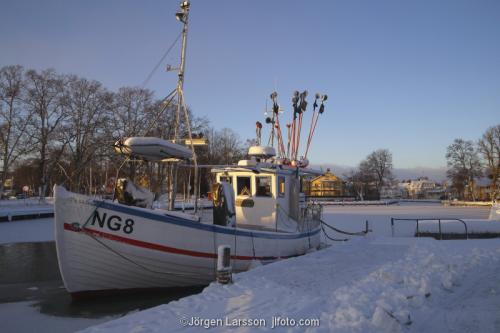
x,y
152,149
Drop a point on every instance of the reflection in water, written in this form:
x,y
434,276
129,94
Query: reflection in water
x,y
29,271
59,302
28,262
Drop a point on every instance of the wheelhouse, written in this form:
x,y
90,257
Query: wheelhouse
x,y
266,196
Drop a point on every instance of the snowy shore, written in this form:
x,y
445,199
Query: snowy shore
x,y
370,284
375,285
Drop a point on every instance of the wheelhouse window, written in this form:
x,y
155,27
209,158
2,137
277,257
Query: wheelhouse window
x,y
263,186
243,186
281,186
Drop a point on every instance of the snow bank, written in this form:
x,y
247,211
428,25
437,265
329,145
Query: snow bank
x,y
39,230
379,217
457,227
382,285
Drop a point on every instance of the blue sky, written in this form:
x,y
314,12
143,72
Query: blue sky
x,y
409,76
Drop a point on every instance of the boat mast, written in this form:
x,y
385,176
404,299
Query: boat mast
x,y
182,15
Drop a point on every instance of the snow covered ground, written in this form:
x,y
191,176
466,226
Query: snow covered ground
x,y
379,217
374,285
368,284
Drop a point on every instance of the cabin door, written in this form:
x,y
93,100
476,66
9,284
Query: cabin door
x,y
255,204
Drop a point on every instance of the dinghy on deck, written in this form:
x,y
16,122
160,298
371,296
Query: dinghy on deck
x,y
152,149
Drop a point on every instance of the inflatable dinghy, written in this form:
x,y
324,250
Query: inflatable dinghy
x,y
152,149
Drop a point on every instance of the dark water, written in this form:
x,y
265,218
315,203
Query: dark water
x,y
30,272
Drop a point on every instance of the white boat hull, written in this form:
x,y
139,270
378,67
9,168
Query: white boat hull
x,y
103,246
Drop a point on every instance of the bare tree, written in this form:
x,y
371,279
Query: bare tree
x,y
361,180
224,146
133,107
379,164
44,99
87,106
14,119
489,147
463,165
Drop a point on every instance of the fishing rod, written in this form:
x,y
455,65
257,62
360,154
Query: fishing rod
x,y
258,132
315,105
288,129
295,100
276,110
302,109
323,98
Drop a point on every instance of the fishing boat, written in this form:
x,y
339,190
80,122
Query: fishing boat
x,y
258,211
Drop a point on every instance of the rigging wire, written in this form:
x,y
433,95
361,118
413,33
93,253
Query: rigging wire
x,y
148,78
166,103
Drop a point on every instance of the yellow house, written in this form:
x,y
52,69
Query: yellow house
x,y
326,185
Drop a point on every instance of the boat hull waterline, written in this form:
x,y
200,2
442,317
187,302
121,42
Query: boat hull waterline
x,y
102,245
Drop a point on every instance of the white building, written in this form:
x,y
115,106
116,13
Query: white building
x,y
420,188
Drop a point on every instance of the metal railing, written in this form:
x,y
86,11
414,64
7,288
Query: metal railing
x,y
393,219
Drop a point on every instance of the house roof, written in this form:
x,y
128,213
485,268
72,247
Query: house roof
x,y
327,176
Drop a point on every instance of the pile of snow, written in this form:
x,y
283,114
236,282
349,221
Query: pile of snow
x,y
378,285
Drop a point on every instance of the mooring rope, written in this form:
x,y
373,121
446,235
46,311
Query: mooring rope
x,y
360,233
331,238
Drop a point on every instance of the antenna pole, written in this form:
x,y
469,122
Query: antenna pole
x,y
182,15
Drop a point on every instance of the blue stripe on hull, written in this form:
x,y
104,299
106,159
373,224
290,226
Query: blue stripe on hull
x,y
197,225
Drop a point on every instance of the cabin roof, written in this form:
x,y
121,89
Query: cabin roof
x,y
267,168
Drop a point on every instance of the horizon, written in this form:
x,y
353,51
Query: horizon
x,y
407,77
437,174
